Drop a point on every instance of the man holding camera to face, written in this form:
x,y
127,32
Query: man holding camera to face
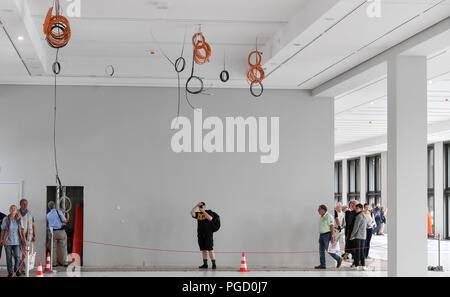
x,y
205,230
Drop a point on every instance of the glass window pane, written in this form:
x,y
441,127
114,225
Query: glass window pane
x,y
352,174
430,168
378,171
336,178
448,166
357,176
371,169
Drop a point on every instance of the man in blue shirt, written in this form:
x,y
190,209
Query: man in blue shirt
x,y
13,238
57,221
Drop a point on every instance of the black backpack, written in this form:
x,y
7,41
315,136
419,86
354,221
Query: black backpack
x,y
215,221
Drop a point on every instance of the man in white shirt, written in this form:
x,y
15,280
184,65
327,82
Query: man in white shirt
x,y
339,234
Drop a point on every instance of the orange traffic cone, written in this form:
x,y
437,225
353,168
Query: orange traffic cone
x,y
243,264
47,264
39,270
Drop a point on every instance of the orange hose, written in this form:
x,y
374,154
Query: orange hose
x,y
57,29
202,50
256,73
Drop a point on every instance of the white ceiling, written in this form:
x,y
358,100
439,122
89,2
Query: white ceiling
x,y
306,41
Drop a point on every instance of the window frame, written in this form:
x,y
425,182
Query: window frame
x,y
338,195
356,194
376,194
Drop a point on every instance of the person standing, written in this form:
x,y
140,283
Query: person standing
x,y
370,223
383,220
326,231
57,221
29,229
349,220
358,236
2,216
12,237
339,232
377,217
205,232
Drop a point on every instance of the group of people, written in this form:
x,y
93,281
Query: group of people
x,y
349,232
18,233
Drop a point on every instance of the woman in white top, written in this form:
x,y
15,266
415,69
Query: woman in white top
x,y
370,223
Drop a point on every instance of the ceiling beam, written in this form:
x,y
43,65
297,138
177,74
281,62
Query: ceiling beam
x,y
426,42
364,144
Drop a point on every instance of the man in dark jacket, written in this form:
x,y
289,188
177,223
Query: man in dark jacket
x,y
2,215
349,222
358,237
204,233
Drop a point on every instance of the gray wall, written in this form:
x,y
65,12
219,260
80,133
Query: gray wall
x,y
115,141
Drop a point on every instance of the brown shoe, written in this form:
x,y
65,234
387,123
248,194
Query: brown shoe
x,y
320,267
339,263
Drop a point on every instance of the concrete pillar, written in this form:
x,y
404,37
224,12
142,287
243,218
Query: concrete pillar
x,y
363,180
439,188
407,166
344,182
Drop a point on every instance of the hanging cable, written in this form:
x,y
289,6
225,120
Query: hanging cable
x,y
201,55
224,75
55,73
58,33
255,74
179,66
57,27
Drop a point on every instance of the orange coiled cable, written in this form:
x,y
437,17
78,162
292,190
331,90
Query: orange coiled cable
x,y
57,29
256,73
202,50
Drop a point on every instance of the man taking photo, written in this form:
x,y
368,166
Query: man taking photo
x,y
205,230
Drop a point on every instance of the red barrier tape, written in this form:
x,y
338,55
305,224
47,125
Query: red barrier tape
x,y
217,252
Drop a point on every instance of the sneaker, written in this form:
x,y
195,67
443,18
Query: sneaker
x,y
320,267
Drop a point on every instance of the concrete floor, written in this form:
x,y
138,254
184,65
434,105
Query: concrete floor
x,y
377,266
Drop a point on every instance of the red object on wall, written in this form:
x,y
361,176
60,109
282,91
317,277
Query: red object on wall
x,y
78,233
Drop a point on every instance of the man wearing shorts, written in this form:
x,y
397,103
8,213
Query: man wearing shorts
x,y
204,234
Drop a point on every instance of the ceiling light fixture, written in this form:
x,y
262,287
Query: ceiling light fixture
x,y
20,38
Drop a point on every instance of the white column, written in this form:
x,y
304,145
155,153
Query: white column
x,y
407,166
344,182
384,187
439,188
363,180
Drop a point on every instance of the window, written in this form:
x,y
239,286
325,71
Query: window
x,y
447,190
338,181
354,184
430,178
373,195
